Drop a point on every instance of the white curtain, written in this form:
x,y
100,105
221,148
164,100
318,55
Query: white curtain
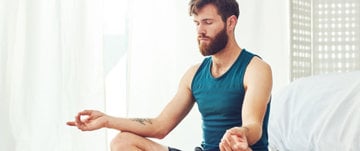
x,y
51,68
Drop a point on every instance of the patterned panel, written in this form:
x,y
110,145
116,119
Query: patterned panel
x,y
336,35
301,33
325,36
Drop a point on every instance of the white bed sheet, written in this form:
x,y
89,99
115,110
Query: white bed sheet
x,y
319,113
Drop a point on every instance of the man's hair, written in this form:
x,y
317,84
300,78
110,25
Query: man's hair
x,y
226,8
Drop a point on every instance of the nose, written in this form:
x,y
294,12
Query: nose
x,y
201,30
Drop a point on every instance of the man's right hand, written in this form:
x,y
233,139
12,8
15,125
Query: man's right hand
x,y
89,120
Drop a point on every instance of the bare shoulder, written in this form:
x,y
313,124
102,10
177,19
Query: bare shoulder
x,y
189,75
259,65
194,68
259,72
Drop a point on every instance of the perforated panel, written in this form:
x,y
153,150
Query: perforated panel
x,y
325,36
301,40
336,35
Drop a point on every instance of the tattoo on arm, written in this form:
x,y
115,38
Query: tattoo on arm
x,y
142,121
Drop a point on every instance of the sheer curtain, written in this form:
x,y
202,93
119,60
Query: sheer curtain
x,y
51,67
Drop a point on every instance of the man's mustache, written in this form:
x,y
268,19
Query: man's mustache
x,y
200,36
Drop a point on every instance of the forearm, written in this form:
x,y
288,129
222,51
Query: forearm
x,y
146,127
253,133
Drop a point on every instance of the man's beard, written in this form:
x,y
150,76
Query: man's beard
x,y
215,45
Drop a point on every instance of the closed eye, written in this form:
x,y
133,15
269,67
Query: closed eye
x,y
196,23
204,21
208,21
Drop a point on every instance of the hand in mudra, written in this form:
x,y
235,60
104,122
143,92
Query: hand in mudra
x,y
235,139
89,120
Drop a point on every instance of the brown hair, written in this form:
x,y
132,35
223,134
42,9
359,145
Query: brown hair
x,y
226,8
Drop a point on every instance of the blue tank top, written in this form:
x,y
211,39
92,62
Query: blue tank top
x,y
220,101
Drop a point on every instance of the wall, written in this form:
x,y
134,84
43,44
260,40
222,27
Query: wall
x,y
264,28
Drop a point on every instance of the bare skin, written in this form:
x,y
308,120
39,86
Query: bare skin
x,y
257,82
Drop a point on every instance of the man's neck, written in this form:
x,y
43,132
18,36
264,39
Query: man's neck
x,y
223,60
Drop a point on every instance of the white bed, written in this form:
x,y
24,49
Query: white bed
x,y
318,113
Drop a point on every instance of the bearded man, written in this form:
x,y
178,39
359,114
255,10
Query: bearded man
x,y
232,89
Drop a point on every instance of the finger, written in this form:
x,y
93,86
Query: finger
x,y
82,126
86,112
234,138
78,119
228,137
86,115
225,146
238,143
71,123
221,146
226,142
237,132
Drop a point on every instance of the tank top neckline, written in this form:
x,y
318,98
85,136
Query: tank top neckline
x,y
227,71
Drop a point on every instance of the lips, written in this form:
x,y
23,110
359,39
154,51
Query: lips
x,y
203,39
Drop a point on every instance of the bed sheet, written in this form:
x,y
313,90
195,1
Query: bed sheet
x,y
318,113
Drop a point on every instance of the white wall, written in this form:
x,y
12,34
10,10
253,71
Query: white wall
x,y
263,28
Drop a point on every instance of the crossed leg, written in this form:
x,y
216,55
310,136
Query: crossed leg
x,y
125,141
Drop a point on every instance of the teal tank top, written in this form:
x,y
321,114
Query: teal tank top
x,y
220,101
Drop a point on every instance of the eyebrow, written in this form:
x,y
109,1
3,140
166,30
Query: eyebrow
x,y
204,20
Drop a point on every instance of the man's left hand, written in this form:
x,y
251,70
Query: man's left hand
x,y
234,139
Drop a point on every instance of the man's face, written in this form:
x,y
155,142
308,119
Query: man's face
x,y
215,44
212,32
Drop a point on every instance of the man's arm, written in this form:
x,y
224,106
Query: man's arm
x,y
258,85
157,127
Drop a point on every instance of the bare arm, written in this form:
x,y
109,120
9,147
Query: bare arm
x,y
258,85
157,127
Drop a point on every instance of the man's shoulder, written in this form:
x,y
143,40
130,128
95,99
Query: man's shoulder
x,y
189,75
258,64
193,69
258,70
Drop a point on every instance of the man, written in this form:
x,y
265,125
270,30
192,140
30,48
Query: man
x,y
232,88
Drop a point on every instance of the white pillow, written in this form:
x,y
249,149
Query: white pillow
x,y
319,113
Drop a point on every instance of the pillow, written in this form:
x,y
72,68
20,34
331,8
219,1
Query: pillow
x,y
318,113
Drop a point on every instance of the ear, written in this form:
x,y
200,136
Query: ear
x,y
231,22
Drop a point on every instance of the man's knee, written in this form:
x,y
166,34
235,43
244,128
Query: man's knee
x,y
126,141
121,141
